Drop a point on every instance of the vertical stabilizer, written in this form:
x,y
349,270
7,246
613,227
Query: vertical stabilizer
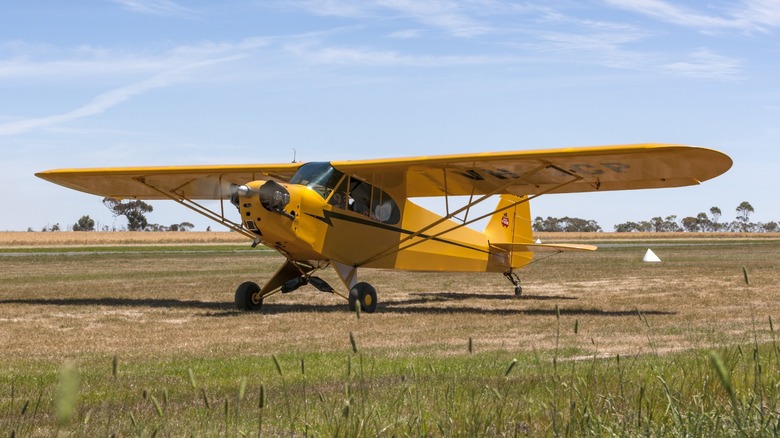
x,y
510,225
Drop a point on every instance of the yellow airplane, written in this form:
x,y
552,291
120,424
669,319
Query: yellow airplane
x,y
359,214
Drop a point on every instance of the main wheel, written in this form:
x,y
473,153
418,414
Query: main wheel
x,y
248,296
518,290
365,294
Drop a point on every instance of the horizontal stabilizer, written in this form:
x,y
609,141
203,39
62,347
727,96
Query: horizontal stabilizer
x,y
542,247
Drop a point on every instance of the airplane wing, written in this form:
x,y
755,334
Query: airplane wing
x,y
520,173
191,182
570,170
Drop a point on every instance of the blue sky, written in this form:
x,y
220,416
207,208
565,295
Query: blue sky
x,y
154,82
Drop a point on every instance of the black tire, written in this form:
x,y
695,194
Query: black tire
x,y
354,297
518,291
365,294
248,296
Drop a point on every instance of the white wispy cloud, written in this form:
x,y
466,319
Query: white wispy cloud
x,y
602,48
406,34
456,18
157,7
390,58
109,99
30,61
336,8
759,14
704,63
155,71
542,32
746,15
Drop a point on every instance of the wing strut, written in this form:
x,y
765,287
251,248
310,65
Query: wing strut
x,y
197,208
399,247
471,197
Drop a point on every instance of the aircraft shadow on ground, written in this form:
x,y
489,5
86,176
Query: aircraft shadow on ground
x,y
402,307
457,296
410,306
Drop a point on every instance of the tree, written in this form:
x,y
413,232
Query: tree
x,y
771,227
565,224
133,210
742,222
578,225
184,226
668,224
549,225
715,212
744,210
691,224
627,227
699,223
55,227
84,224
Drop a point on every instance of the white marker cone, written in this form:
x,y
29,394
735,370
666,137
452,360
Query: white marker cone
x,y
538,240
650,257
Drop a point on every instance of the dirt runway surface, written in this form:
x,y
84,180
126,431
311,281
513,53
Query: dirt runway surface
x,y
173,303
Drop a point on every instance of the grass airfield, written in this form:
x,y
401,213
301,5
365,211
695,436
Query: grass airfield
x,y
137,334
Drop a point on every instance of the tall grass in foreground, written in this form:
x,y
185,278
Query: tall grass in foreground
x,y
731,391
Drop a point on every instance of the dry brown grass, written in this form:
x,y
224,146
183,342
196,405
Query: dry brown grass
x,y
164,304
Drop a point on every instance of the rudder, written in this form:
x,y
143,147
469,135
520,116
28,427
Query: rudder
x,y
510,225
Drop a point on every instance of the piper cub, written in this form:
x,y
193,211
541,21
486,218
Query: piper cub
x,y
361,214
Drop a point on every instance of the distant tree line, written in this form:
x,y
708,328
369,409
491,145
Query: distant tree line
x,y
566,224
135,213
702,222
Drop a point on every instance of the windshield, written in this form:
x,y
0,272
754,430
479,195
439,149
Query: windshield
x,y
320,176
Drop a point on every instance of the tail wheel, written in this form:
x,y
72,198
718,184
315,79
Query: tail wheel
x,y
248,296
365,294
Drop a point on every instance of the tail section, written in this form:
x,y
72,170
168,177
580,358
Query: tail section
x,y
510,235
508,230
510,225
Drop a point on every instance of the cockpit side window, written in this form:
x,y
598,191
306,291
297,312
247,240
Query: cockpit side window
x,y
383,208
359,197
319,176
364,199
339,196
348,193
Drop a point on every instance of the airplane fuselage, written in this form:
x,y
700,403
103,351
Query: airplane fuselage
x,y
346,222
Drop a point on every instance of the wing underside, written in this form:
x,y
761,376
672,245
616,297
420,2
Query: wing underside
x,y
520,173
189,182
570,170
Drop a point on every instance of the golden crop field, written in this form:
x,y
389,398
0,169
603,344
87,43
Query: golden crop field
x,y
18,238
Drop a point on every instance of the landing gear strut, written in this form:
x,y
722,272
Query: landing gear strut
x,y
293,275
515,280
